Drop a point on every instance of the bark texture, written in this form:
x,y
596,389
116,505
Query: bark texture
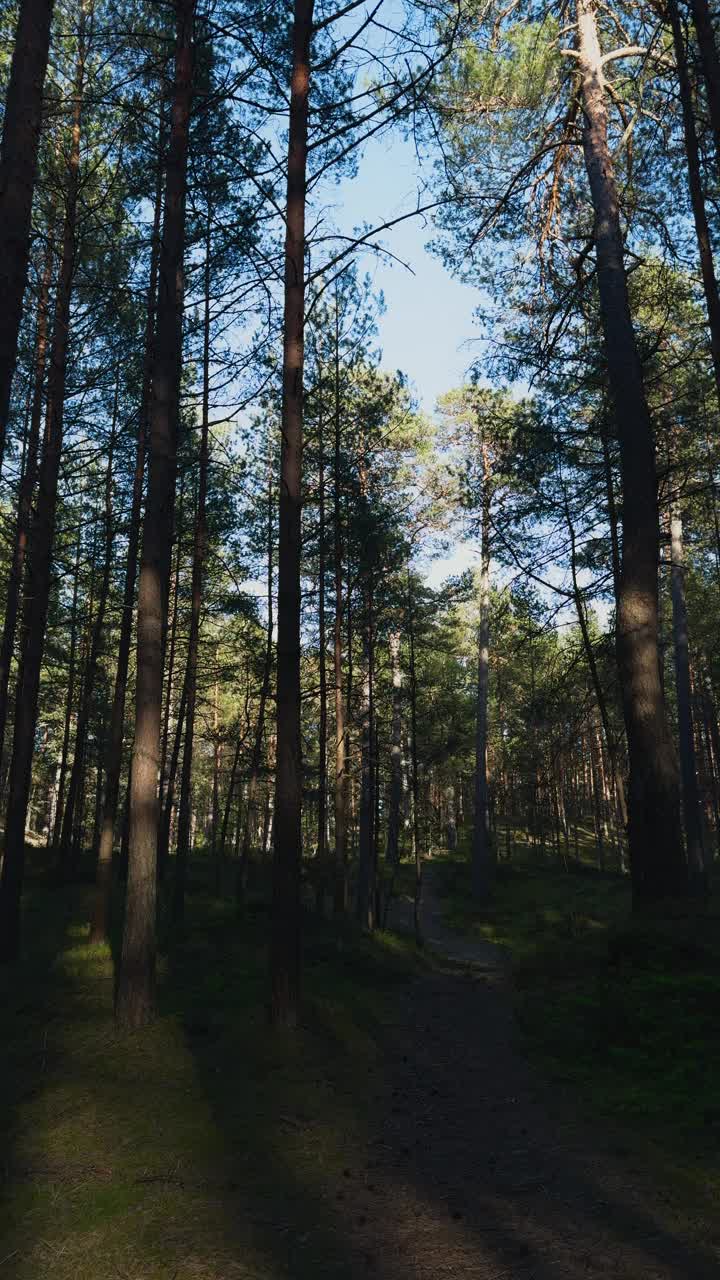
x,y
18,166
287,861
655,835
135,1000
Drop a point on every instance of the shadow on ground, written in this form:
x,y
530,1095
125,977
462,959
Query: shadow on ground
x,y
400,1134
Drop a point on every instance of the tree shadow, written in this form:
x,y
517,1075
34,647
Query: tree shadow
x,y
399,1134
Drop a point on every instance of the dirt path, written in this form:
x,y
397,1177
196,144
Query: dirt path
x,y
469,1174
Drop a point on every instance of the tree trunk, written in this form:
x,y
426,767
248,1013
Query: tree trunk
x,y
393,836
26,492
483,869
365,887
67,853
697,872
322,743
702,21
417,851
287,862
594,673
198,570
244,863
39,562
697,199
18,166
69,704
170,664
113,756
341,779
655,833
135,1001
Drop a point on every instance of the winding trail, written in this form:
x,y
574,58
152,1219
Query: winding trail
x,y
474,1173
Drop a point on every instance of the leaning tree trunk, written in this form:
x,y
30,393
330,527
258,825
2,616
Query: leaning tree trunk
x,y
113,752
483,870
287,862
39,562
688,768
198,571
654,829
135,1003
18,166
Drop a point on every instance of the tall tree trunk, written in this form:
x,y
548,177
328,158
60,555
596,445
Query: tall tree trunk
x,y
67,853
18,166
39,561
250,806
697,199
393,835
365,887
322,742
198,571
655,833
113,754
691,798
171,633
417,850
287,862
341,778
483,869
594,673
70,702
135,1001
702,21
26,492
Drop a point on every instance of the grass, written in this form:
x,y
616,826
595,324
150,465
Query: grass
x,y
201,1146
622,1014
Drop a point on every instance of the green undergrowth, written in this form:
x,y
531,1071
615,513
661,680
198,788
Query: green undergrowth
x,y
205,1146
622,1013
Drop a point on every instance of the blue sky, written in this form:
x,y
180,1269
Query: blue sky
x,y
428,330
428,327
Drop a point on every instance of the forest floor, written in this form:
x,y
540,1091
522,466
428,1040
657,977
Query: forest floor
x,y
404,1133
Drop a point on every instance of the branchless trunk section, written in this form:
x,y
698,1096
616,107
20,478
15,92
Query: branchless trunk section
x,y
287,861
135,1000
322,744
595,674
39,561
341,779
26,491
655,836
483,870
697,199
688,766
256,757
114,748
69,701
67,853
18,166
710,62
393,834
198,570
